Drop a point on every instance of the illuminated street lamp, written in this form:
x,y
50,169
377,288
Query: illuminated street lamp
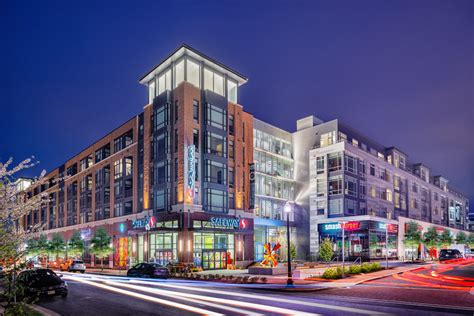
x,y
343,227
287,210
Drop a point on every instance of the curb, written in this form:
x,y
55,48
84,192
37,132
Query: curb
x,y
43,310
384,276
286,289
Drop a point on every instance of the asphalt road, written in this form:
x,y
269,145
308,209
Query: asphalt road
x,y
105,295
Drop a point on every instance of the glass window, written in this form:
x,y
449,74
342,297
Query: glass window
x,y
327,139
232,91
179,72
218,84
351,164
216,117
216,200
193,72
231,177
164,82
196,111
335,206
231,149
151,91
351,206
320,165
320,187
216,144
118,169
161,117
231,124
196,139
208,79
320,207
350,186
335,162
335,185
118,209
216,172
128,166
372,170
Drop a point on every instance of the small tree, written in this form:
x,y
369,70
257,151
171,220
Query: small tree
x,y
100,245
43,247
57,245
461,238
293,252
75,245
325,250
431,239
445,238
412,237
470,240
32,247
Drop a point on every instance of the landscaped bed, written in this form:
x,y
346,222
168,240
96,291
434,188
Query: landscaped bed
x,y
336,272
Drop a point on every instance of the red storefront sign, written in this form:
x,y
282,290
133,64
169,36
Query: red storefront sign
x,y
351,225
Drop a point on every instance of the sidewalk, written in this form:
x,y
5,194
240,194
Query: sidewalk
x,y
114,272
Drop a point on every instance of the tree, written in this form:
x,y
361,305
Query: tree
x,y
32,247
14,205
461,238
445,238
100,245
75,245
43,247
293,252
57,245
431,239
470,240
412,236
326,250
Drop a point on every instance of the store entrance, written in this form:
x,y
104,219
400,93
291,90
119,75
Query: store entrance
x,y
214,259
163,257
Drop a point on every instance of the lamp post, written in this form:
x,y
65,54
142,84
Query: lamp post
x,y
343,227
386,246
287,210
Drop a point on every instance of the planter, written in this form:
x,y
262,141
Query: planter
x,y
268,271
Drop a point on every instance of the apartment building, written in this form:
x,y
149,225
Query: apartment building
x,y
194,178
352,179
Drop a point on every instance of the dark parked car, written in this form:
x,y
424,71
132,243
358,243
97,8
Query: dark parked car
x,y
42,282
148,270
449,254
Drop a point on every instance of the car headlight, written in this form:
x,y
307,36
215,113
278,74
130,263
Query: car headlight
x,y
63,284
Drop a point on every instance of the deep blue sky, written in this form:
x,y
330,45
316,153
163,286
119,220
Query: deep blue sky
x,y
398,71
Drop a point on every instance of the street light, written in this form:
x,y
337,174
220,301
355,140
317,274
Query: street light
x,y
343,227
287,210
386,246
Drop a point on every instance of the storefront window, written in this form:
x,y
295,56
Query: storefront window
x,y
163,247
213,250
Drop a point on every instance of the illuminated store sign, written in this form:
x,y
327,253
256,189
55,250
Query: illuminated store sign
x,y
190,172
229,223
146,222
389,227
337,226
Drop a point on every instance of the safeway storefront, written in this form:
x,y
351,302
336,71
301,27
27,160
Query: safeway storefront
x,y
207,241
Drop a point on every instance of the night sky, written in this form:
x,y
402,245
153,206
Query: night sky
x,y
401,72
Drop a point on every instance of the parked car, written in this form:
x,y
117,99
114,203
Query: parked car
x,y
73,265
148,270
449,254
42,282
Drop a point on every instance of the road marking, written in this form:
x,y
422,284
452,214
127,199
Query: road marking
x,y
151,298
280,299
264,308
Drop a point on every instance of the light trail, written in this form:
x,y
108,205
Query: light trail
x,y
148,298
264,308
279,299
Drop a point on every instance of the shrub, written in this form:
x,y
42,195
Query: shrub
x,y
263,280
332,273
230,278
354,269
245,279
365,267
375,266
253,279
238,279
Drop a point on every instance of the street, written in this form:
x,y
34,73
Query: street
x,y
399,294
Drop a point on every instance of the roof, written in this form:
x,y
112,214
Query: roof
x,y
188,50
